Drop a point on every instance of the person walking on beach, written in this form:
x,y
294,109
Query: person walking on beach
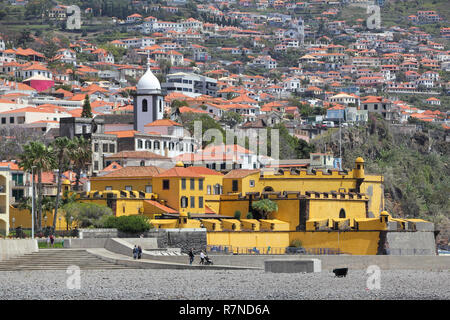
x,y
191,256
202,257
135,252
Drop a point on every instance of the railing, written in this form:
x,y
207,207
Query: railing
x,y
217,249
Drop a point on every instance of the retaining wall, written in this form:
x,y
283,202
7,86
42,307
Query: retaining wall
x,y
329,262
10,248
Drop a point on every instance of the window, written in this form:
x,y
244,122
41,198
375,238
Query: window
x,y
112,148
156,145
139,144
375,107
342,213
252,183
192,202
208,189
183,184
166,184
200,202
95,147
235,185
217,189
184,202
148,189
108,188
142,163
148,144
95,165
11,120
192,184
3,120
200,184
144,105
105,147
128,188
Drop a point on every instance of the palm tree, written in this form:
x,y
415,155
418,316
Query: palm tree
x,y
37,155
81,156
63,148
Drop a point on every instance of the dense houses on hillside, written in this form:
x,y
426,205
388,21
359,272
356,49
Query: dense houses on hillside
x,y
244,68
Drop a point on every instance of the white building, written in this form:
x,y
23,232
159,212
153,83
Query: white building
x,y
191,84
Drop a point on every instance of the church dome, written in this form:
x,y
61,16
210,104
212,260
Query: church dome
x,y
148,83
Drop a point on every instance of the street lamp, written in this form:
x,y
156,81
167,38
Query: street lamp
x,y
32,201
59,218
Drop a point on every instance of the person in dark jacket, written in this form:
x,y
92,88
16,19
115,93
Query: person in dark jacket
x,y
135,252
191,256
139,252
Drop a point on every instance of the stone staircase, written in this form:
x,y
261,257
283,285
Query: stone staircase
x,y
58,259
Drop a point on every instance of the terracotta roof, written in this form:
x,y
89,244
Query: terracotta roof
x,y
163,122
240,173
137,154
133,172
179,172
161,206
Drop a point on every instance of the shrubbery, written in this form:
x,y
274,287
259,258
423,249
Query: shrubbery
x,y
129,224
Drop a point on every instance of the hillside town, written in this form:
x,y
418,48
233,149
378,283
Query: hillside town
x,y
245,150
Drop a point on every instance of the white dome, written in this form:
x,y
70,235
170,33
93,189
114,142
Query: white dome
x,y
148,83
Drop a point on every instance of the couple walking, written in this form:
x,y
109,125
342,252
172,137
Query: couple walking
x,y
137,252
203,258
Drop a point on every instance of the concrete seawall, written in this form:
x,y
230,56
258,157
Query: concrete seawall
x,y
10,248
329,262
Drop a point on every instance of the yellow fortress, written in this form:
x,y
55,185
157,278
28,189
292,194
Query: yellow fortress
x,y
339,211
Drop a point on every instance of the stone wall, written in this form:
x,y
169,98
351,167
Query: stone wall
x,y
411,243
185,239
10,248
166,238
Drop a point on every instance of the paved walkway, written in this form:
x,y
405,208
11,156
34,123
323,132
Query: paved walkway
x,y
155,264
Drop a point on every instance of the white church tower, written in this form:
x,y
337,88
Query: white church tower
x,y
148,101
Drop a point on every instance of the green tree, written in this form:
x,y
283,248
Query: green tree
x,y
37,158
265,207
231,118
81,155
62,147
87,111
88,214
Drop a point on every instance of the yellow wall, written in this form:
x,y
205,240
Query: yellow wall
x,y
248,240
137,184
23,218
351,242
329,209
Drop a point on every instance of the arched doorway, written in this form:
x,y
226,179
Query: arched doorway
x,y
342,213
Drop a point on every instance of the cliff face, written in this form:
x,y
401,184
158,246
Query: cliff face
x,y
414,162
